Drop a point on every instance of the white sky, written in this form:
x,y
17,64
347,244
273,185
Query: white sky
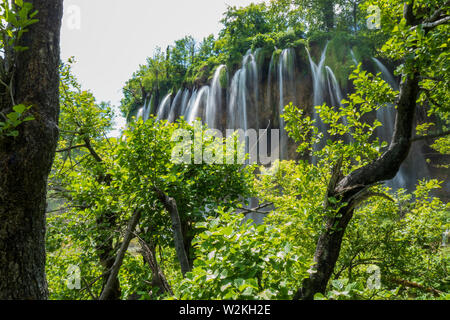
x,y
111,38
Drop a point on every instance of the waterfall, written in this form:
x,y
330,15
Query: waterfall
x,y
271,104
333,88
386,114
318,77
164,108
197,109
140,113
286,81
190,103
387,76
244,95
353,57
318,86
336,97
214,107
255,99
185,101
146,110
317,73
232,107
250,62
175,110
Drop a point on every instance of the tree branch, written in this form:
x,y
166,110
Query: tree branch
x,y
71,148
109,287
149,255
92,150
416,285
431,25
256,209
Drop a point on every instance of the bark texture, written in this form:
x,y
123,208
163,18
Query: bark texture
x,y
25,161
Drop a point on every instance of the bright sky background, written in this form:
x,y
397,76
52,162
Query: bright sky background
x,y
112,38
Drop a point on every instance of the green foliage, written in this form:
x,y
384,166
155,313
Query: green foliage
x,y
404,239
346,123
15,18
96,177
14,119
100,181
238,260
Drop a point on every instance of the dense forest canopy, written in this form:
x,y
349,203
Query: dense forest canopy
x,y
126,221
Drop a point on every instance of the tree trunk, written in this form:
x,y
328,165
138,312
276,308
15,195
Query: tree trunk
x,y
171,206
110,291
25,161
159,280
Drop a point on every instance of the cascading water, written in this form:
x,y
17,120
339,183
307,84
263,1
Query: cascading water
x,y
185,101
333,88
197,109
317,71
252,101
244,95
214,107
190,103
286,81
387,75
175,109
140,113
146,110
415,166
164,108
352,54
318,75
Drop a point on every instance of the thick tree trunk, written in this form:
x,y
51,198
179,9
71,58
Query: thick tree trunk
x,y
25,161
